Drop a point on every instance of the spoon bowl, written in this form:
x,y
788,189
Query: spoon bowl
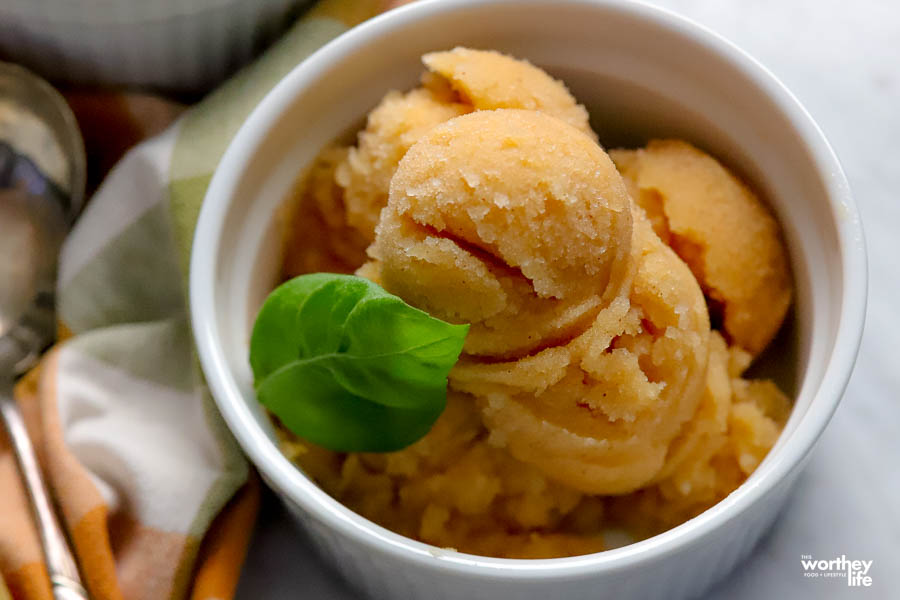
x,y
42,174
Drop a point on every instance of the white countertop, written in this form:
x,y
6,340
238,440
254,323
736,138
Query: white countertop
x,y
842,60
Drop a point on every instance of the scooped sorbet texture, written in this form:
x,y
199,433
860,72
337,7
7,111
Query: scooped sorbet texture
x,y
593,405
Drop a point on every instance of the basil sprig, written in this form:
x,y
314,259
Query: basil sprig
x,y
347,365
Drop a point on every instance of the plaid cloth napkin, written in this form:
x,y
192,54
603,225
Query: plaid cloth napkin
x,y
152,489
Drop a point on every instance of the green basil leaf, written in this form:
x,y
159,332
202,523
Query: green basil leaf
x,y
347,365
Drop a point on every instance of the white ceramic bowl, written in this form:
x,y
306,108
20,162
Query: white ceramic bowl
x,y
641,72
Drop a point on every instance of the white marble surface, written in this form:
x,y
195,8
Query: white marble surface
x,y
842,60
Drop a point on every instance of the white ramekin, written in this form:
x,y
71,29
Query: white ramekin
x,y
170,45
642,72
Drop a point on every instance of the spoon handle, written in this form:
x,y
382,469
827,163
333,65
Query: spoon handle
x,y
61,567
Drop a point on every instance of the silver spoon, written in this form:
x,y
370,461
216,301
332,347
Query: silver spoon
x,y
42,175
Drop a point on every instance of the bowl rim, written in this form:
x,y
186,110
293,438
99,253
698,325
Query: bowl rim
x,y
282,475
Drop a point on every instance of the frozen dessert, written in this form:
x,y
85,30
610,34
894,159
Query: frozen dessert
x,y
594,402
456,489
602,412
500,217
527,218
457,82
319,219
719,227
391,128
488,80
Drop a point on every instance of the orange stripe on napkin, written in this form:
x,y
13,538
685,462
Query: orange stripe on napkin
x,y
225,545
90,537
21,559
29,582
83,508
